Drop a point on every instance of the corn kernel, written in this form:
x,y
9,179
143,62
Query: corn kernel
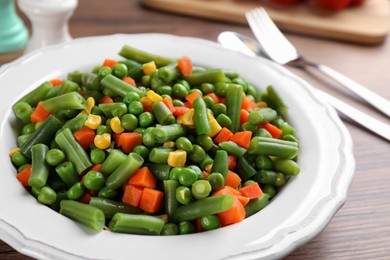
x,y
90,104
13,151
102,141
115,124
177,158
93,121
214,125
145,101
188,118
169,144
153,96
261,104
149,68
208,168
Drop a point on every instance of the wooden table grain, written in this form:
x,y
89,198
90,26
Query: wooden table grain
x,y
361,228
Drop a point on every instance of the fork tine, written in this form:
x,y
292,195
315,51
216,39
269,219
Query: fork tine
x,y
271,39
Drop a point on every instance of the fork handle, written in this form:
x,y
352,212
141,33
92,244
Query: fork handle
x,y
372,98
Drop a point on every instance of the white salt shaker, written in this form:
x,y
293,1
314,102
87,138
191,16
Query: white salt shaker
x,y
49,20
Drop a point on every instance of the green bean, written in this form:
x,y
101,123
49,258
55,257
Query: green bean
x,y
22,111
134,69
273,147
111,207
183,195
197,170
169,72
75,76
210,222
201,189
263,114
54,181
170,201
164,133
280,180
205,207
162,113
60,196
234,95
124,171
205,141
263,162
170,229
269,189
160,171
22,139
159,155
107,193
114,159
76,191
83,213
207,76
255,205
37,94
44,134
220,163
47,196
94,180
71,100
90,81
233,148
40,169
140,56
67,173
118,86
75,123
136,224
274,100
197,154
245,169
73,151
286,166
207,160
55,156
201,122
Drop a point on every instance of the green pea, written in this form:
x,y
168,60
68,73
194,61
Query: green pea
x,y
76,191
207,88
201,189
186,227
118,109
197,170
220,89
104,71
183,194
119,70
224,120
19,159
187,176
55,156
177,103
164,90
170,229
97,156
184,144
210,222
47,196
146,119
206,142
130,97
248,127
216,180
209,101
145,80
28,129
142,150
269,189
179,90
107,193
102,129
129,122
197,154
218,109
280,179
94,180
174,173
135,108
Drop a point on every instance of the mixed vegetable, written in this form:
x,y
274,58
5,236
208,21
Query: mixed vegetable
x,y
152,145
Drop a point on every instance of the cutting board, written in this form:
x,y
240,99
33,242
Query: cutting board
x,y
367,24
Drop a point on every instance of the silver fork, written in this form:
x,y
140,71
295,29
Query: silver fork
x,y
276,46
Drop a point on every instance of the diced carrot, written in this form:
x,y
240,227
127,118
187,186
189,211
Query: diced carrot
x,y
188,104
192,96
222,100
168,102
244,114
129,141
233,215
39,114
117,140
129,80
151,200
148,108
106,100
227,190
109,63
198,226
233,179
93,193
132,195
248,103
275,131
224,135
232,161
244,200
85,136
206,174
185,65
242,138
143,177
96,167
85,198
24,175
179,111
251,191
213,96
56,82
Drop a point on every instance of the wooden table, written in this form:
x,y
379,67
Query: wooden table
x,y
360,228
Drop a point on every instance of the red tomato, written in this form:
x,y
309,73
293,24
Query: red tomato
x,y
286,2
357,2
332,5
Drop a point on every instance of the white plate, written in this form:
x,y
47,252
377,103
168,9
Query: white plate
x,y
296,215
